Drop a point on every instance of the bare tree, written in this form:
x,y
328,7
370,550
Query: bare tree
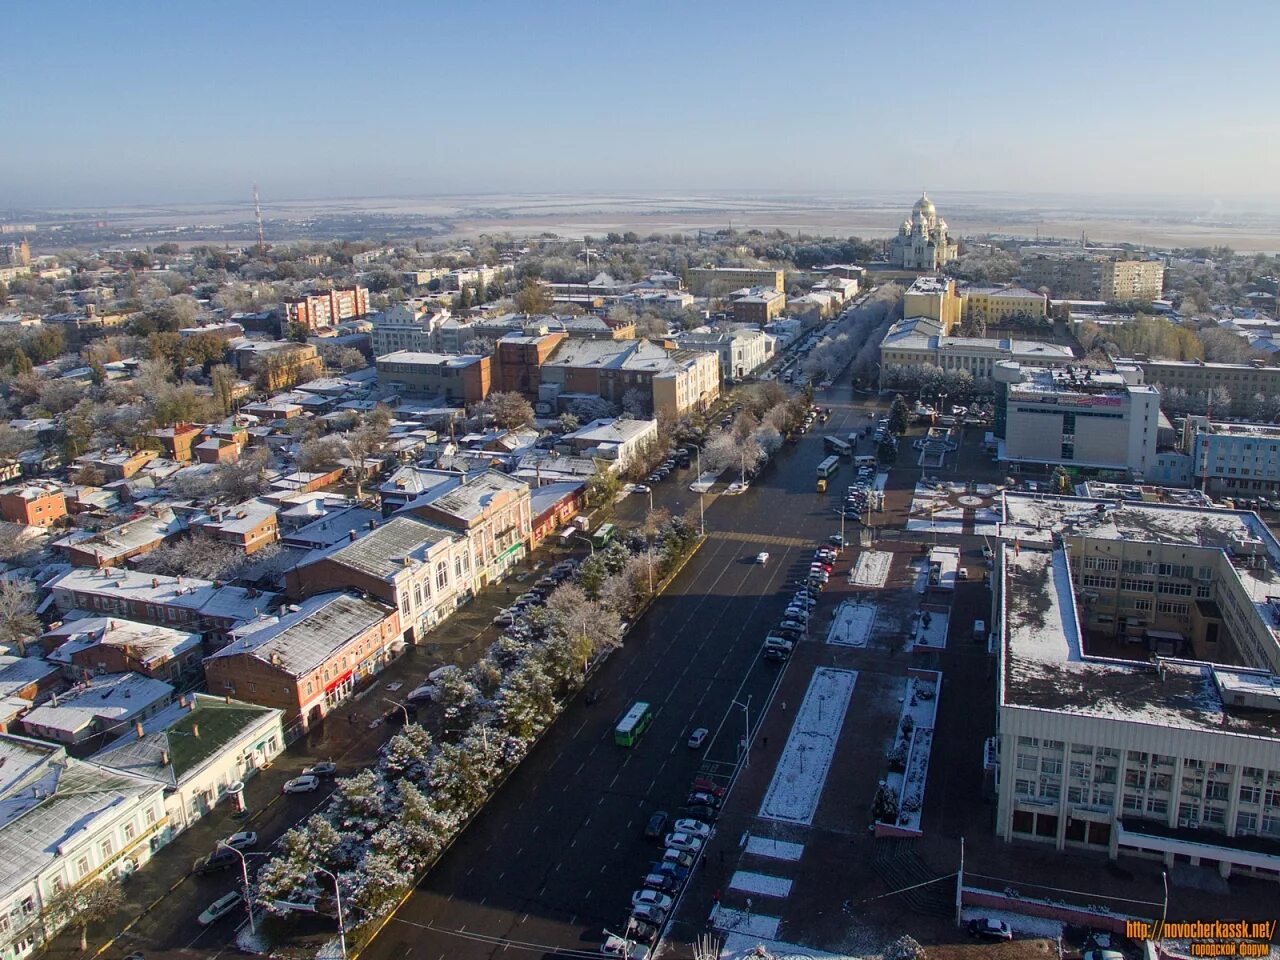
x,y
18,621
97,901
508,410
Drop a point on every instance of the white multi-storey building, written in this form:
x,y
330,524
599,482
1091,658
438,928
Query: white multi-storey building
x,y
1121,728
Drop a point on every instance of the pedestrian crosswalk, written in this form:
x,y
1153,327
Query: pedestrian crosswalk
x,y
767,539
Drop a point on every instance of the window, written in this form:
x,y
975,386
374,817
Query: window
x,y
1217,791
130,830
1133,585
107,849
82,867
1246,821
442,575
1215,815
417,594
1080,769
1027,762
1272,798
150,816
1250,794
1051,767
1136,779
1133,802
1024,788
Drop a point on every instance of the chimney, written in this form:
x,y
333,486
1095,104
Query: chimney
x,y
373,524
353,536
195,730
191,704
137,728
155,584
164,758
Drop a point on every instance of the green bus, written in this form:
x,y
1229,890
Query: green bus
x,y
604,535
633,723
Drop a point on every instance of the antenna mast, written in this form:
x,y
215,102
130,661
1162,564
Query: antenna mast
x,y
257,215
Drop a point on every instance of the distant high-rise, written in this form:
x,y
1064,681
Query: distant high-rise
x,y
15,254
326,309
922,242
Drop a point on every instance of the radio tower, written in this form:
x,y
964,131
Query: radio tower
x,y
257,215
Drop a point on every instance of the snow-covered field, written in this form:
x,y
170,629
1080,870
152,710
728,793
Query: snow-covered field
x,y
914,743
931,635
852,624
872,568
751,924
760,883
774,849
802,769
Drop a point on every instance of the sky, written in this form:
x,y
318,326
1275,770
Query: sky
x,y
153,103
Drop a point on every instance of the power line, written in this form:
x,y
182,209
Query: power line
x,y
504,942
1013,884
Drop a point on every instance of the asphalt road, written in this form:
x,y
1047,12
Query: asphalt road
x,y
552,860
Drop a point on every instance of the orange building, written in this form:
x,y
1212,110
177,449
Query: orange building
x,y
33,504
177,441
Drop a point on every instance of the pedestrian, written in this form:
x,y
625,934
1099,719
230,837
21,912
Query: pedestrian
x,y
784,706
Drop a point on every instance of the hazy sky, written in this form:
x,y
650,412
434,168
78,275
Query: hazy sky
x,y
173,102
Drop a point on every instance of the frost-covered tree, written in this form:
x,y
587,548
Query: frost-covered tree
x,y
408,754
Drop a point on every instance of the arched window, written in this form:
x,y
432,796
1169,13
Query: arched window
x,y
442,575
457,568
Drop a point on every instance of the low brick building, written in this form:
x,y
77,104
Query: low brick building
x,y
250,526
309,659
176,442
91,645
33,504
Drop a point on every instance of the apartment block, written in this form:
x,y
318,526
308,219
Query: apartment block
x,y
1195,376
758,305
36,504
326,309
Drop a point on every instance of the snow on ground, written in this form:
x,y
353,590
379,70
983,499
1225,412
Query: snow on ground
x,y
704,482
987,489
852,624
802,769
914,743
1018,923
986,522
937,525
738,946
740,921
760,883
881,480
921,567
774,849
933,635
872,569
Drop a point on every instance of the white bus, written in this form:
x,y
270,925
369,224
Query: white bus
x,y
827,467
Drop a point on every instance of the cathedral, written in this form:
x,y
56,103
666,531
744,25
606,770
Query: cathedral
x,y
922,242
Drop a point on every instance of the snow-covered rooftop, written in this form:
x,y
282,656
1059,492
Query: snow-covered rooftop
x,y
1045,666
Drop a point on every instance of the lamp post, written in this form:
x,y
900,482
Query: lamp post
x,y
587,542
702,511
337,892
746,731
403,708
244,873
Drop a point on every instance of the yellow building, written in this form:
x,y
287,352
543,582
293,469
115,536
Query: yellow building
x,y
995,305
934,298
718,281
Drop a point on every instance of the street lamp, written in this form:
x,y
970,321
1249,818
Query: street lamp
x,y
337,891
403,708
587,542
702,510
746,731
244,872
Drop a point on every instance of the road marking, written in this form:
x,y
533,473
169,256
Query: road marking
x,y
587,822
578,772
535,829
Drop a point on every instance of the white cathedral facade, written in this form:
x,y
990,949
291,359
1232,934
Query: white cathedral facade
x,y
922,242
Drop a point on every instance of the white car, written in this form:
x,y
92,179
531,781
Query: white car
x,y
640,488
219,908
683,841
651,898
694,828
308,783
242,841
697,738
762,558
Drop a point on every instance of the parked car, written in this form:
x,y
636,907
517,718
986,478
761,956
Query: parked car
x,y
245,840
307,783
697,738
989,929
694,828
650,915
651,898
662,882
681,858
642,930
657,823
218,860
762,557
325,768
420,693
683,841
220,908
703,798
623,949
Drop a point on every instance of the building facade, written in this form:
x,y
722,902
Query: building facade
x,y
37,504
719,281
1195,376
1232,458
1081,275
465,378
923,242
1078,418
741,352
916,342
316,310
758,305
309,659
934,298
998,305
